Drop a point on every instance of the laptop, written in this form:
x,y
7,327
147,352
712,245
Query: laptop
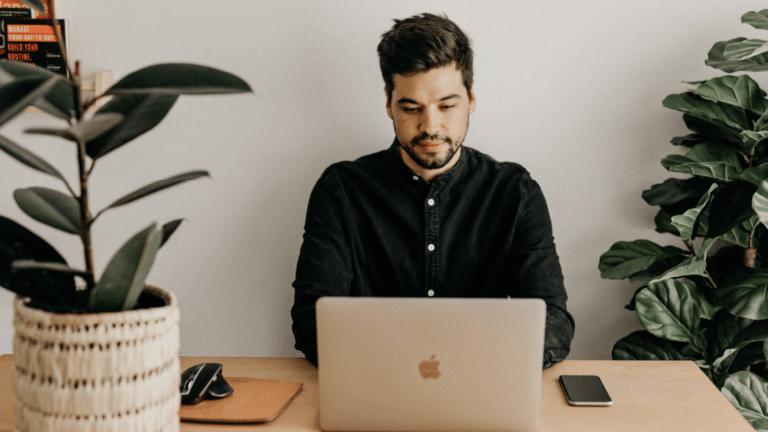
x,y
425,364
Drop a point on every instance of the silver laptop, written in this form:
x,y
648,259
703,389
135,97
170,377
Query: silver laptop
x,y
418,364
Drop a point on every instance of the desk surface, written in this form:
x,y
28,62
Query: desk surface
x,y
648,396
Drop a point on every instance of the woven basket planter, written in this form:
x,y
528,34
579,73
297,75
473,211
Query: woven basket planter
x,y
97,372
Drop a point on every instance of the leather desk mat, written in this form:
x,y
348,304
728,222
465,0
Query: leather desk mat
x,y
253,401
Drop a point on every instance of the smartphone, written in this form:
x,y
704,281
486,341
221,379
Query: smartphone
x,y
585,390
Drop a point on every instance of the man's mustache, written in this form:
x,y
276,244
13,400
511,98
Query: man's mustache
x,y
434,137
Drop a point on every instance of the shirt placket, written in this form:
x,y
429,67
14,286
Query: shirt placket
x,y
431,242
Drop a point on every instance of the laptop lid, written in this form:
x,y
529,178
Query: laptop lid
x,y
419,364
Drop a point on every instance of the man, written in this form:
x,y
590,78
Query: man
x,y
429,217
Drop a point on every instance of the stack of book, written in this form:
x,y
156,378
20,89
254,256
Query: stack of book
x,y
28,36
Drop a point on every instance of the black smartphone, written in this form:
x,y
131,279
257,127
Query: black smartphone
x,y
585,390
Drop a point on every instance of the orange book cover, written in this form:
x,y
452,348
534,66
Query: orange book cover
x,y
15,4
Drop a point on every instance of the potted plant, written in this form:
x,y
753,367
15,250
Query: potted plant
x,y
92,353
704,299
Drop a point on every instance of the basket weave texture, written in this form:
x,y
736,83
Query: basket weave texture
x,y
97,372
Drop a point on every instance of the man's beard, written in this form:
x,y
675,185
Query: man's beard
x,y
438,161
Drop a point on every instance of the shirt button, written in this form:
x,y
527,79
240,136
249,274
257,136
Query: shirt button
x,y
431,293
416,178
431,247
431,202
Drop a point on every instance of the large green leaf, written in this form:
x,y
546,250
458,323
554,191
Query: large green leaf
x,y
753,138
141,113
50,207
663,222
123,279
58,102
686,222
158,186
715,170
671,310
744,293
178,79
170,228
745,49
84,131
28,158
53,291
19,94
723,333
712,133
693,266
731,206
625,259
720,114
717,58
756,331
749,394
674,190
755,175
740,91
641,345
741,234
758,20
760,202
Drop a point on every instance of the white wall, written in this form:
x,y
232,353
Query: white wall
x,y
572,90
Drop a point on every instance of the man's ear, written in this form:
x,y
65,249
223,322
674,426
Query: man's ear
x,y
472,101
389,103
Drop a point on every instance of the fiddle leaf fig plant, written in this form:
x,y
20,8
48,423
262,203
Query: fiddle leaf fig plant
x,y
29,266
704,298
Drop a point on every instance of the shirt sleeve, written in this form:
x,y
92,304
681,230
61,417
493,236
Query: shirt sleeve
x,y
538,271
324,266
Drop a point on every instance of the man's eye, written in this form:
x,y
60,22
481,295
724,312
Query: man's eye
x,y
447,107
409,110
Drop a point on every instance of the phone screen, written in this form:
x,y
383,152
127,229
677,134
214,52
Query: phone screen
x,y
585,390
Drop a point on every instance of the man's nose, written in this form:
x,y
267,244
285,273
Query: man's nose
x,y
430,122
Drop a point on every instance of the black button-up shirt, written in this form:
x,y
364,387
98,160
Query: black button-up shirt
x,y
481,229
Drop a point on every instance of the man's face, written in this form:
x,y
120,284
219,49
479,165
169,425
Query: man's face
x,y
430,112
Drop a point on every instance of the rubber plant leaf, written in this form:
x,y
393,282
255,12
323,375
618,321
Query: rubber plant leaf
x,y
727,332
718,59
740,91
717,113
52,266
58,102
170,228
54,291
671,310
641,345
686,222
625,259
742,234
28,158
141,113
19,94
663,222
36,4
158,186
760,202
123,279
84,131
178,79
757,331
731,206
758,20
743,293
50,207
749,394
744,50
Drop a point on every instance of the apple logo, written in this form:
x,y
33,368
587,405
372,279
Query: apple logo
x,y
428,368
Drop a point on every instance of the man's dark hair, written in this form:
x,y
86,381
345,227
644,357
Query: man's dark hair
x,y
421,43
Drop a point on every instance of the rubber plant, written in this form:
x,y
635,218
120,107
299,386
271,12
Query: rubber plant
x,y
704,299
29,266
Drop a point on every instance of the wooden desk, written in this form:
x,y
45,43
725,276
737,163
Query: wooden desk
x,y
648,396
